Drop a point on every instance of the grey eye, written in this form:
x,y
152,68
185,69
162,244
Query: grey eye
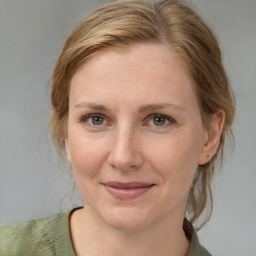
x,y
96,120
159,121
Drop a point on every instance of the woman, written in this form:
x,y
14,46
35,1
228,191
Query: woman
x,y
141,108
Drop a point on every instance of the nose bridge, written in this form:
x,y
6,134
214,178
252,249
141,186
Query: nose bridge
x,y
125,152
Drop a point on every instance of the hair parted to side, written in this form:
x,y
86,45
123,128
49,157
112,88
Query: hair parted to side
x,y
169,22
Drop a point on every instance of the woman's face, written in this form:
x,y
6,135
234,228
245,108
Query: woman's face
x,y
135,135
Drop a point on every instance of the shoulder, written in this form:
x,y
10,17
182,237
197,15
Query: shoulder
x,y
196,249
42,236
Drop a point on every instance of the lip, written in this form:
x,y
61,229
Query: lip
x,y
128,190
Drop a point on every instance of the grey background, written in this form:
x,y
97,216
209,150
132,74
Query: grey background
x,y
32,33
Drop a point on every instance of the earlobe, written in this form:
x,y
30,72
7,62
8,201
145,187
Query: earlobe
x,y
67,151
212,138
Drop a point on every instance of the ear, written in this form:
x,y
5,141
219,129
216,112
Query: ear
x,y
212,137
68,151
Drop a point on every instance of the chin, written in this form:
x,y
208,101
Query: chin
x,y
127,219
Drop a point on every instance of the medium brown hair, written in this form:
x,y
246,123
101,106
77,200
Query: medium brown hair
x,y
169,22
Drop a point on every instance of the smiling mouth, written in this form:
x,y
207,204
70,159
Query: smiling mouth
x,y
125,191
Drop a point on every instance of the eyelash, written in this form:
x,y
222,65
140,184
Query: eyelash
x,y
170,120
166,118
85,118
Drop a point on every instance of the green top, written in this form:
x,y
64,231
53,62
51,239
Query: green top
x,y
51,236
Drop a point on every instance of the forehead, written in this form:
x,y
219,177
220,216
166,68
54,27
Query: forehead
x,y
152,54
142,70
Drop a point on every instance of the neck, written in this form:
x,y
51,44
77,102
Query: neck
x,y
165,238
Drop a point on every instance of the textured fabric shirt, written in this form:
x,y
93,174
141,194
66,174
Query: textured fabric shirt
x,y
51,236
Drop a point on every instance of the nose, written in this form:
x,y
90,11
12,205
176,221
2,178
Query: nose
x,y
125,153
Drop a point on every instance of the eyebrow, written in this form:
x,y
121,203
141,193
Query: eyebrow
x,y
142,109
92,106
151,107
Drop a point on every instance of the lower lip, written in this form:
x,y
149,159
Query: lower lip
x,y
127,193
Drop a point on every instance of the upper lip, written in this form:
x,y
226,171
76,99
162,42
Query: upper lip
x,y
133,184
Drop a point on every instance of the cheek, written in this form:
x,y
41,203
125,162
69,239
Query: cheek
x,y
87,157
175,160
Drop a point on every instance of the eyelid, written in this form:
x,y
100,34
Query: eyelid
x,y
170,119
161,115
84,118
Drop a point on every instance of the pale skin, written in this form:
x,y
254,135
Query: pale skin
x,y
134,117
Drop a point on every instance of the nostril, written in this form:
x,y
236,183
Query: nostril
x,y
125,162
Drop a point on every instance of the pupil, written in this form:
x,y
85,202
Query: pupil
x,y
97,120
159,121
